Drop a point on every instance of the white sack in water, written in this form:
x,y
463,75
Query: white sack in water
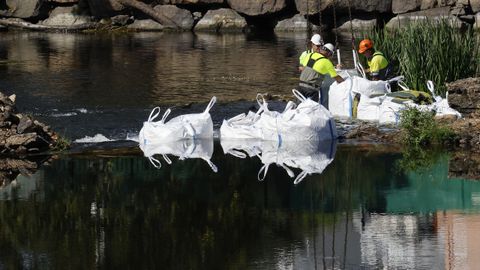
x,y
308,121
183,149
195,126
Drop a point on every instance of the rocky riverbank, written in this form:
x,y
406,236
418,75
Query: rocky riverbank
x,y
231,15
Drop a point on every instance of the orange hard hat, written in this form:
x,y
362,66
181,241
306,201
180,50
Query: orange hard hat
x,y
365,45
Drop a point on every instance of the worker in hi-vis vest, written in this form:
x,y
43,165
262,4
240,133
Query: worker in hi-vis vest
x,y
315,40
378,65
317,65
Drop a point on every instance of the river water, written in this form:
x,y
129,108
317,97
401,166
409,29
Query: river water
x,y
105,205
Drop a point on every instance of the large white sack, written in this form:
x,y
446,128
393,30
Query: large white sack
x,y
308,121
241,126
340,98
194,125
183,149
390,111
369,88
311,157
369,108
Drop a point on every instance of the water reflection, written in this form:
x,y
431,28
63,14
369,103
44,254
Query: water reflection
x,y
311,157
122,212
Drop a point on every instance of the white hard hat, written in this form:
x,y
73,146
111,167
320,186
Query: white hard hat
x,y
329,47
316,39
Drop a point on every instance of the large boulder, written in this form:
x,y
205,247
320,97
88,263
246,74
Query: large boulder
x,y
65,16
104,8
221,20
145,25
181,17
404,6
63,1
433,15
356,24
477,21
23,8
313,7
464,95
189,2
475,5
294,24
257,7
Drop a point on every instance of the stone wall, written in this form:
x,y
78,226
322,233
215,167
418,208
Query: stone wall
x,y
280,15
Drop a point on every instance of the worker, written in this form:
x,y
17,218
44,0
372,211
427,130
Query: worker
x,y
317,65
315,40
378,65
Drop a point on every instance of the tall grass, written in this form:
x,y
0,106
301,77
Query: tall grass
x,y
430,50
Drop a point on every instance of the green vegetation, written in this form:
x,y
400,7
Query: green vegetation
x,y
61,144
420,129
430,50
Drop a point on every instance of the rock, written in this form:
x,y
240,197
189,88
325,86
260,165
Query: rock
x,y
221,20
357,24
24,8
25,124
189,2
104,8
63,1
403,6
464,165
464,95
65,16
257,7
312,7
145,25
296,23
182,17
120,20
475,6
477,21
20,139
433,15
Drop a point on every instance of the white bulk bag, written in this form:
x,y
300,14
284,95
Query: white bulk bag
x,y
441,105
308,121
241,126
195,125
369,88
184,149
369,108
390,111
340,98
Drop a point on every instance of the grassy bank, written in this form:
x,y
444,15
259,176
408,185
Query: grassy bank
x,y
430,50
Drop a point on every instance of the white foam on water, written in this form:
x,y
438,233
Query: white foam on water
x,y
98,138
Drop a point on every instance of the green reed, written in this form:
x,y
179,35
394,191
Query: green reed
x,y
430,50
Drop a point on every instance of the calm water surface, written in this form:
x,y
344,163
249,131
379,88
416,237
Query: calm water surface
x,y
227,205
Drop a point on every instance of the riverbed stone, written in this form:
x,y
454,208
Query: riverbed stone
x,y
341,6
145,25
257,7
464,95
181,17
475,5
404,6
433,15
477,21
357,24
65,16
221,20
23,8
104,8
294,24
190,2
